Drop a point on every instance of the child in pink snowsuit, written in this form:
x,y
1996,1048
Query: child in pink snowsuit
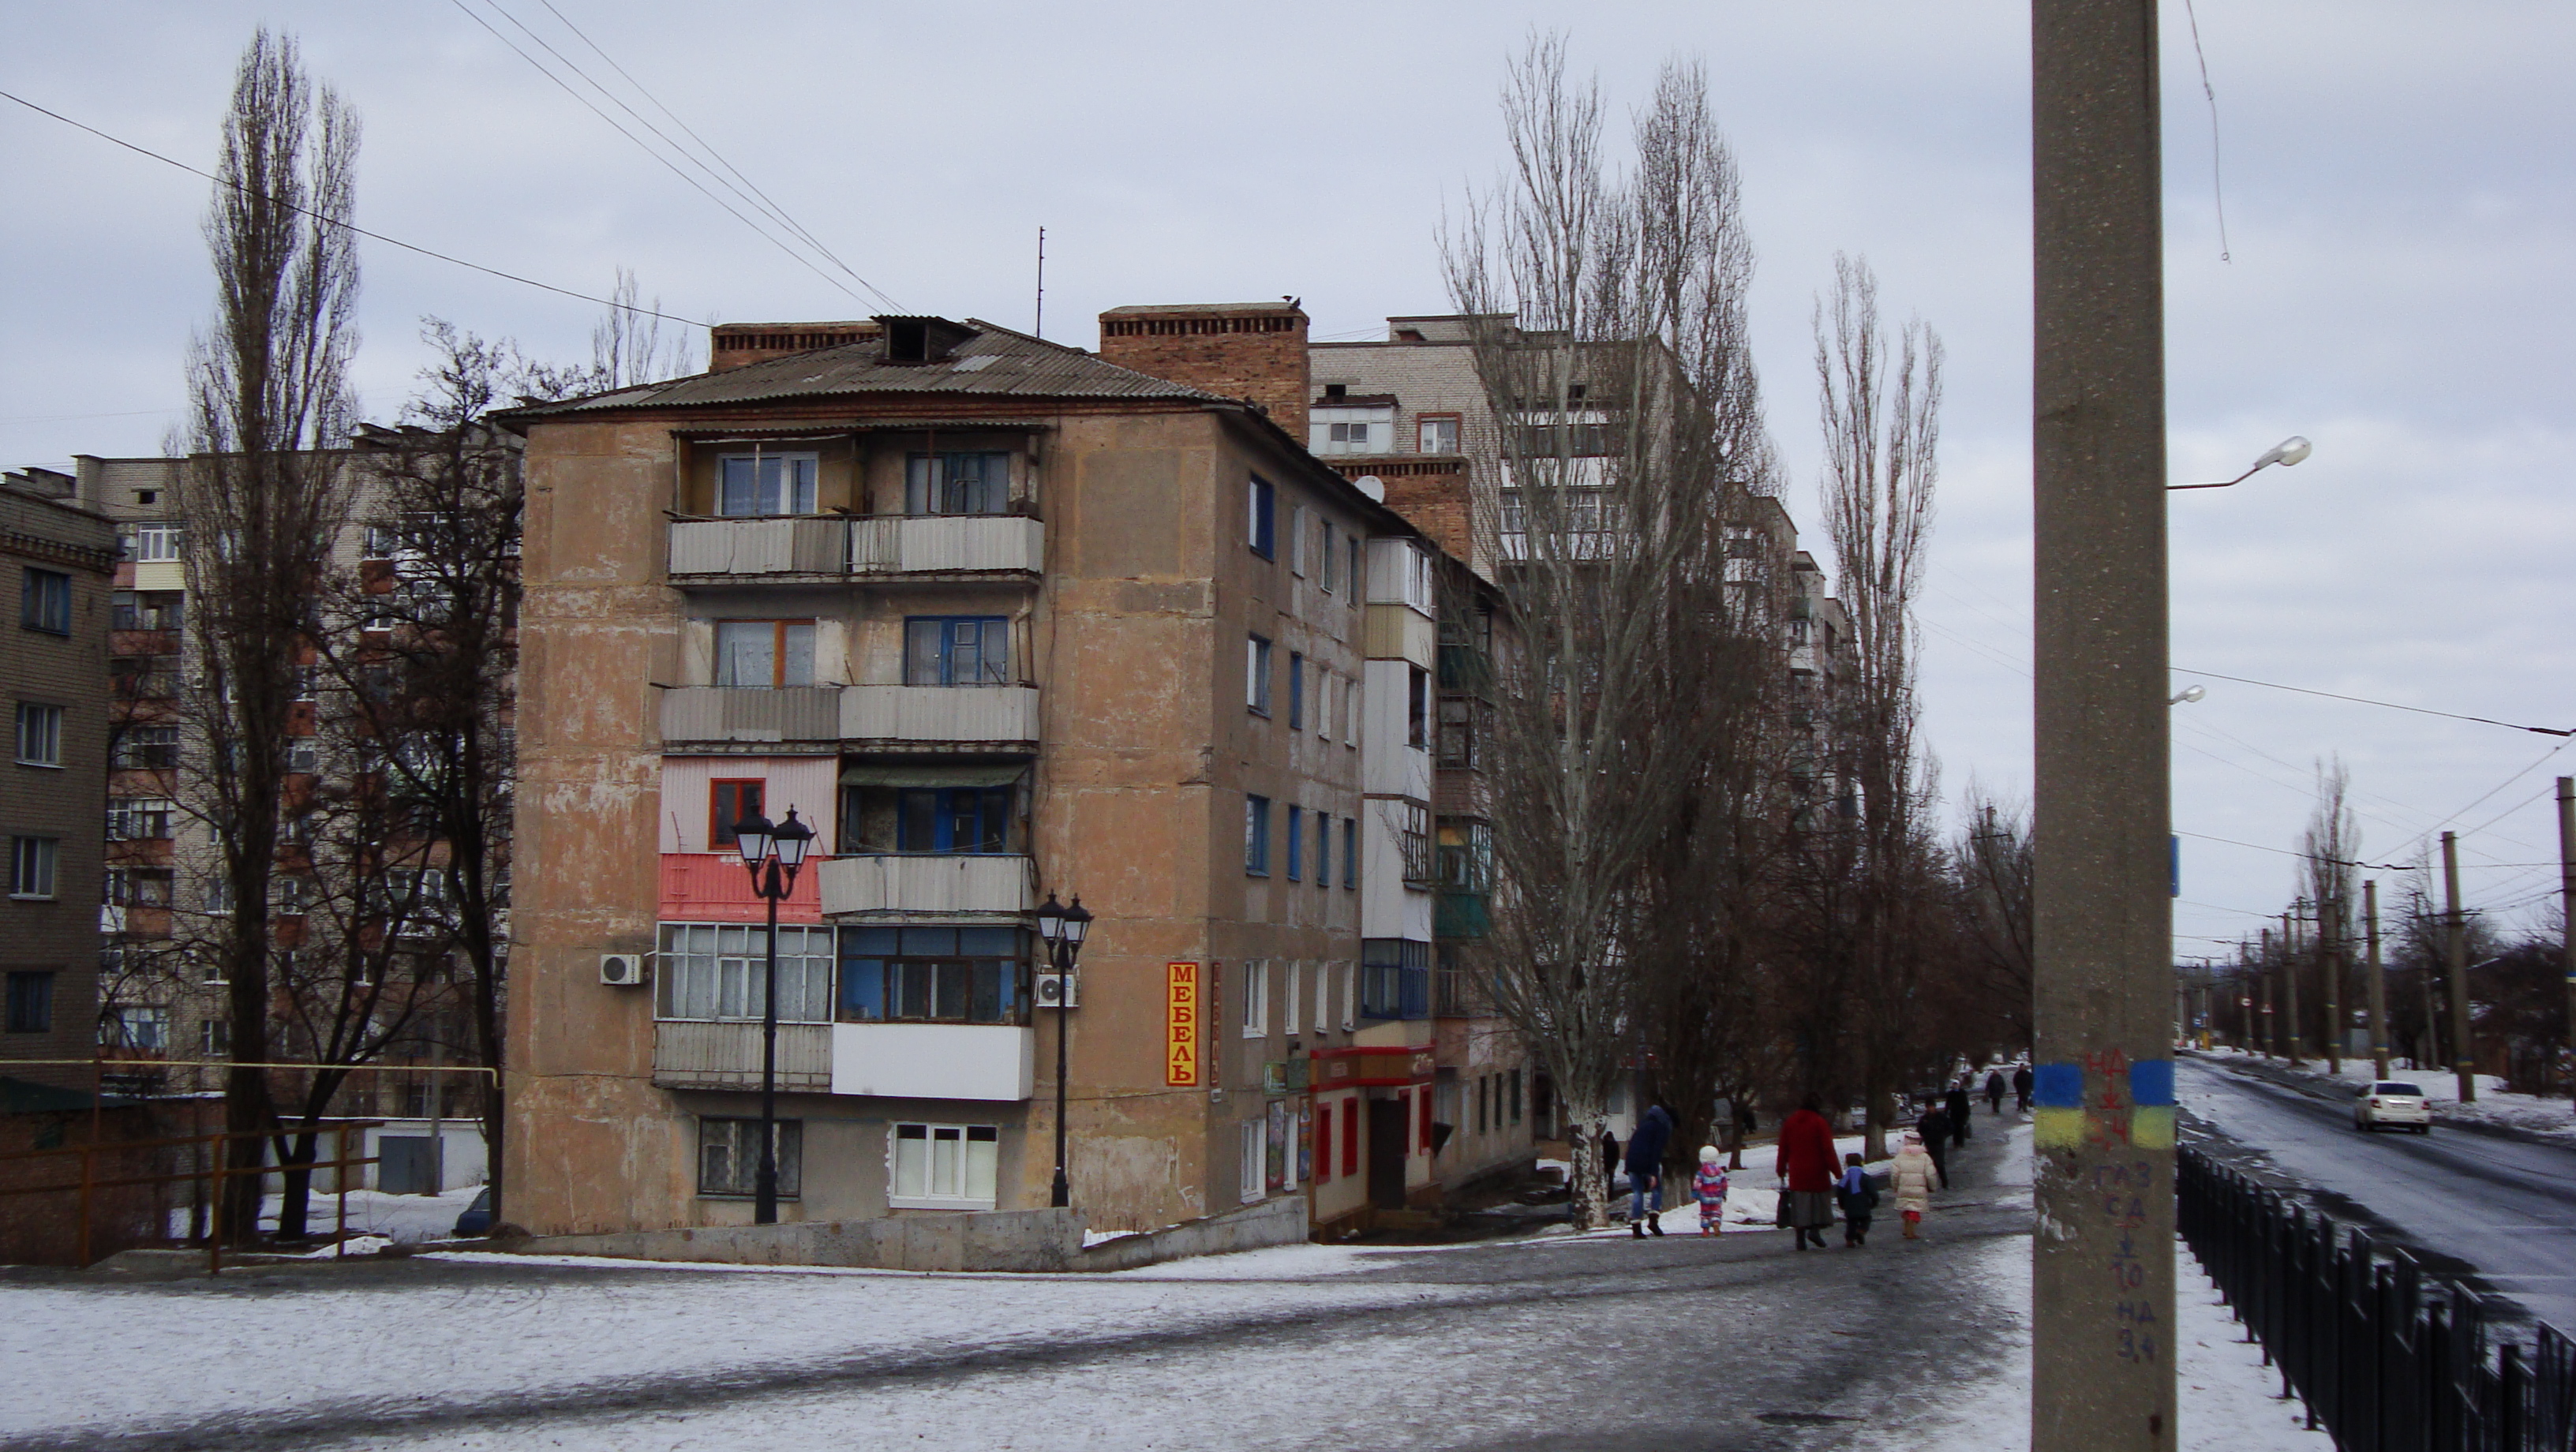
x,y
1709,1188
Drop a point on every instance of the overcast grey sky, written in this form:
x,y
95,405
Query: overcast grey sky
x,y
2397,202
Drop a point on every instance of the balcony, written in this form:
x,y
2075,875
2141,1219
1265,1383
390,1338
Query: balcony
x,y
925,716
712,887
995,883
800,549
934,1060
690,1055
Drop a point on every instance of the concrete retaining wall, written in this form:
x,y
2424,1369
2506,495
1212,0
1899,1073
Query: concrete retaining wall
x,y
1272,1222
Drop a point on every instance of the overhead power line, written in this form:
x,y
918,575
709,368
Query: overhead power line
x,y
2390,705
349,227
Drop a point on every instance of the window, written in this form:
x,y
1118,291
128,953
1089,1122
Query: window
x,y
953,819
148,748
214,1036
760,654
156,543
1417,708
1323,704
1395,978
1465,856
944,1167
304,754
31,1002
1296,691
1354,435
1256,674
1323,998
1350,852
45,602
729,1156
1457,732
1296,984
146,610
760,483
1255,998
1350,996
1262,527
40,734
135,1027
137,819
1248,1137
1256,836
1351,713
1437,433
291,894
1323,849
730,802
1296,844
933,975
1325,562
963,483
717,971
31,866
956,650
1297,541
138,887
1514,1101
1484,1102
1413,829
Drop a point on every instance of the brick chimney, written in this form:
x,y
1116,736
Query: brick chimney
x,y
1241,350
735,345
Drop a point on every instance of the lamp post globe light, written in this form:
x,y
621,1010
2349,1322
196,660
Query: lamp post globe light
x,y
1062,929
772,854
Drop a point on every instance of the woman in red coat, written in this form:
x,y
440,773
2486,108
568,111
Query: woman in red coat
x,y
1807,1165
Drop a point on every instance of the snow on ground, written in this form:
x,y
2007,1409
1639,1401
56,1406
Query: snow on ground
x,y
2554,1119
400,1219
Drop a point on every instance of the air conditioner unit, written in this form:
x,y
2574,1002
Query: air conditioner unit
x,y
623,970
1059,990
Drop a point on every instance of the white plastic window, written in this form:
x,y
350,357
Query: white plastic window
x,y
944,1166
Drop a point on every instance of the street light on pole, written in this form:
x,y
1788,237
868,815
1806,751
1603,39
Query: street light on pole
x,y
1063,929
2287,452
772,854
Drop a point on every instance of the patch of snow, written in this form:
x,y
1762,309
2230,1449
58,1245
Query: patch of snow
x,y
400,1219
2553,1119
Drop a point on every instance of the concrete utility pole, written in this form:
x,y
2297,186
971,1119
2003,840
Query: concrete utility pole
x,y
2456,951
2330,967
2271,1024
2290,979
2378,981
2102,1285
2567,906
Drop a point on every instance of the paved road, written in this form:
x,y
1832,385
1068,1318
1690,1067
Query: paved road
x,y
1734,1342
2502,1209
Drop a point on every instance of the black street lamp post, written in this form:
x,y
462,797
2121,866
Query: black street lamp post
x,y
773,855
1062,928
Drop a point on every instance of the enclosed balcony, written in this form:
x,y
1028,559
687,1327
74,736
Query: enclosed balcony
x,y
934,1060
963,882
694,1055
804,549
929,717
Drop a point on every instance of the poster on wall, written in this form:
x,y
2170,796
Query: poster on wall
x,y
1181,1025
1305,1142
1274,1169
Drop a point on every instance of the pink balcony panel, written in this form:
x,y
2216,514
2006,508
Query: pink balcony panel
x,y
702,887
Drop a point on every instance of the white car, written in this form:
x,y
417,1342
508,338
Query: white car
x,y
2392,1102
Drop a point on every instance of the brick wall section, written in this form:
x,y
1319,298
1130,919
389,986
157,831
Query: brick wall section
x,y
1239,350
1434,503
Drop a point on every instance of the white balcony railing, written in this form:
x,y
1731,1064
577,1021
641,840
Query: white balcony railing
x,y
929,715
697,1055
934,1060
959,883
834,545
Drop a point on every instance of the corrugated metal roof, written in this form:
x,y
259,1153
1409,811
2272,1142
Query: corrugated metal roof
x,y
996,361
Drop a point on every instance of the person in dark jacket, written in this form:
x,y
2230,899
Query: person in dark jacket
x,y
1959,1104
1859,1199
2021,1087
1935,1129
1609,1156
1995,1091
1646,1170
1808,1171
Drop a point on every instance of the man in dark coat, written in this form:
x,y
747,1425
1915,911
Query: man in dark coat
x,y
1935,1129
1646,1170
2021,1087
1959,1104
1995,1091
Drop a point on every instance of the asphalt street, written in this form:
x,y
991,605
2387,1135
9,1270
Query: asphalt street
x,y
1730,1342
2499,1209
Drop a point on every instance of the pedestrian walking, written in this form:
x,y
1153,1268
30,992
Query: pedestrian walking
x,y
1609,1156
1912,1181
1807,1171
1859,1201
1959,1106
1934,1130
1646,1170
1995,1091
1708,1187
2021,1087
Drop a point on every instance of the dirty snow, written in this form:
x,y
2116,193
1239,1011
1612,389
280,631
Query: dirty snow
x,y
2553,1119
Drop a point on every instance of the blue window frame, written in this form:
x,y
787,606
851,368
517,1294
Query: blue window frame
x,y
956,650
1265,519
1296,691
932,975
953,819
1296,844
1256,836
1350,852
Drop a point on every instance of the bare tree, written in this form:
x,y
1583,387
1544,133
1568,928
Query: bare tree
x,y
1610,343
2327,874
1881,415
264,493
1992,870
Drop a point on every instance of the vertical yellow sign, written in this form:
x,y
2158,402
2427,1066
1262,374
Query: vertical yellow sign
x,y
1181,1025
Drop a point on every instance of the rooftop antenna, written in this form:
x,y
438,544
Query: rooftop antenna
x,y
1039,329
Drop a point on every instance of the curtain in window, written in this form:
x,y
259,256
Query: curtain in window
x,y
958,483
757,484
715,971
972,650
